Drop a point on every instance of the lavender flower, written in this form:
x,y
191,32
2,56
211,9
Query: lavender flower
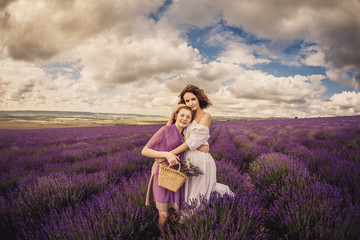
x,y
190,169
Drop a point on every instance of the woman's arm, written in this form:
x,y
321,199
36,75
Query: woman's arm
x,y
172,116
169,156
171,119
206,121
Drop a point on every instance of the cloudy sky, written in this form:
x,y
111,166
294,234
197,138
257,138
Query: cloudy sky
x,y
258,58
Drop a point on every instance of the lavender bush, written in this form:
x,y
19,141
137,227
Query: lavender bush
x,y
223,217
318,211
271,173
118,213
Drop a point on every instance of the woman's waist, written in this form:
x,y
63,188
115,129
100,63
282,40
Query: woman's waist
x,y
195,154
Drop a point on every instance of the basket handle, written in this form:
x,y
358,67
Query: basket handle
x,y
168,166
179,167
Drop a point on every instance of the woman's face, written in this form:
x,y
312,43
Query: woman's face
x,y
183,118
191,101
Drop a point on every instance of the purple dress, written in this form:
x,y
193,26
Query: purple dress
x,y
166,138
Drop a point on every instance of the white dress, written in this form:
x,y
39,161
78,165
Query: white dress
x,y
202,185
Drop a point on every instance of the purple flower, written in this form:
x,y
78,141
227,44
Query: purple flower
x,y
190,169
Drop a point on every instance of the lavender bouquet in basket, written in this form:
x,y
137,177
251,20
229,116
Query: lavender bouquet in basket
x,y
190,169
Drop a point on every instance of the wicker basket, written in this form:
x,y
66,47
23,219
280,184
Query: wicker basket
x,y
170,178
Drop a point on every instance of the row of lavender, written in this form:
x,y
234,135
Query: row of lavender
x,y
305,172
90,182
329,147
48,175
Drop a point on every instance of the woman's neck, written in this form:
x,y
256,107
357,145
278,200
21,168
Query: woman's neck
x,y
199,113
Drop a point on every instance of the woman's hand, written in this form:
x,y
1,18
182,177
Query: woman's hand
x,y
177,107
172,159
172,116
175,110
204,148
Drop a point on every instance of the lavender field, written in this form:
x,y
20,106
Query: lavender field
x,y
292,179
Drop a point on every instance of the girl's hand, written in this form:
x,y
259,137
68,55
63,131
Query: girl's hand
x,y
204,148
172,159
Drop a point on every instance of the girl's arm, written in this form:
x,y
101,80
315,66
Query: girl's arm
x,y
182,148
204,148
160,156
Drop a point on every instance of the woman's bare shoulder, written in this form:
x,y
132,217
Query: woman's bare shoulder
x,y
208,115
205,120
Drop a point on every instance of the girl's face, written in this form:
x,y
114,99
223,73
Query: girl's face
x,y
183,118
191,101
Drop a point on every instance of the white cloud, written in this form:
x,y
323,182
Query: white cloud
x,y
199,13
27,86
339,75
227,102
41,30
346,101
249,93
314,56
334,25
161,53
238,53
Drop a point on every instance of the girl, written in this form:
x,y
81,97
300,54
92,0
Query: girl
x,y
159,146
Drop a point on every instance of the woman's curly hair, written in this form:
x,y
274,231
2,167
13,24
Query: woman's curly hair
x,y
204,101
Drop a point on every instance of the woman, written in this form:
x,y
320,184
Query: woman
x,y
159,146
197,134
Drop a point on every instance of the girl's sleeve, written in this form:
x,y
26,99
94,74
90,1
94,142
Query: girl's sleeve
x,y
156,141
198,137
